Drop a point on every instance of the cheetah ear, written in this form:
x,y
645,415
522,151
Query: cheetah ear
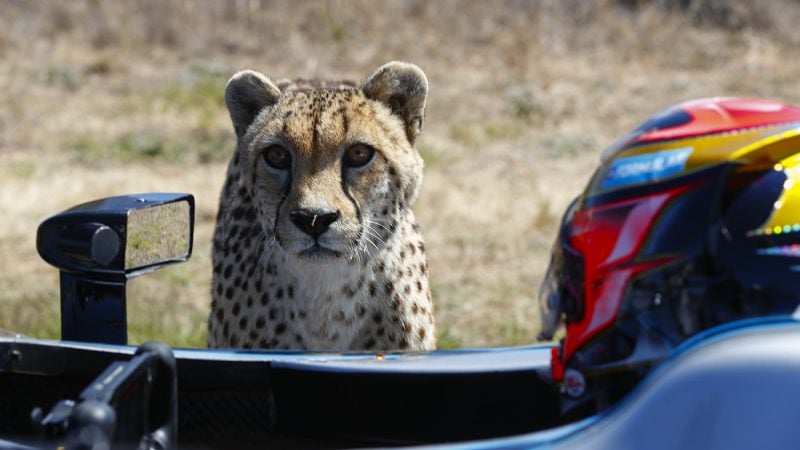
x,y
247,93
404,88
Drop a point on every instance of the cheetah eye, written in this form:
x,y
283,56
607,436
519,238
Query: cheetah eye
x,y
358,155
277,157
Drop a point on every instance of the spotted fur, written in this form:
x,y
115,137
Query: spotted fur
x,y
322,254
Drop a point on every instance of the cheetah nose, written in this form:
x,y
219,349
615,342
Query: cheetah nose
x,y
313,222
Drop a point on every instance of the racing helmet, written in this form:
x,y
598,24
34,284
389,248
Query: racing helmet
x,y
690,221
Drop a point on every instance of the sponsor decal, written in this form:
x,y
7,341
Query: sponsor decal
x,y
574,383
648,167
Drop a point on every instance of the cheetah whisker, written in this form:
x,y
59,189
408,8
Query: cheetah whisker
x,y
368,239
371,221
372,233
378,219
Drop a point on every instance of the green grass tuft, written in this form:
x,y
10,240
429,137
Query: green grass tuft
x,y
445,340
202,146
23,169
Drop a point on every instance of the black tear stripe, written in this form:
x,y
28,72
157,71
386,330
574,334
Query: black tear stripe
x,y
347,193
284,195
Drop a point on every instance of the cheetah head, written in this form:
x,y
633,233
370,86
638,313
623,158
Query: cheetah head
x,y
331,169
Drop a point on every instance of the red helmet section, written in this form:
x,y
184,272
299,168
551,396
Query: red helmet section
x,y
609,236
716,115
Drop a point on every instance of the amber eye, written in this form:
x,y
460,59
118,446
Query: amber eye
x,y
277,157
358,155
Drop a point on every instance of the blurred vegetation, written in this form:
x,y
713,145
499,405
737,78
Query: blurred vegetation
x,y
103,98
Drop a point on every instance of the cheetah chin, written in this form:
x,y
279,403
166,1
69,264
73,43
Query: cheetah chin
x,y
316,246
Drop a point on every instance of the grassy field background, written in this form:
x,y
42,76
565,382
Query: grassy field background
x,y
105,98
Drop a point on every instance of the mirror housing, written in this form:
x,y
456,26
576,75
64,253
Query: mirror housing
x,y
98,246
119,237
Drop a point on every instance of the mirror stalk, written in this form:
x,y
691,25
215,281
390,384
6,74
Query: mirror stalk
x,y
93,310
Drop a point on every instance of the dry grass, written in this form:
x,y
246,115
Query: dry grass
x,y
104,98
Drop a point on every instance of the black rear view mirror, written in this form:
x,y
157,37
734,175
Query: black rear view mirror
x,y
98,246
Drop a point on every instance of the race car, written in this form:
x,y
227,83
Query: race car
x,y
681,255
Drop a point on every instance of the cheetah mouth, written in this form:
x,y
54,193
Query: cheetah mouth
x,y
317,251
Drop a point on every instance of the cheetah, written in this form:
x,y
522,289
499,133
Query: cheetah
x,y
315,245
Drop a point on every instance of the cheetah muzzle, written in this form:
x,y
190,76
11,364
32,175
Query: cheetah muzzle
x,y
315,245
